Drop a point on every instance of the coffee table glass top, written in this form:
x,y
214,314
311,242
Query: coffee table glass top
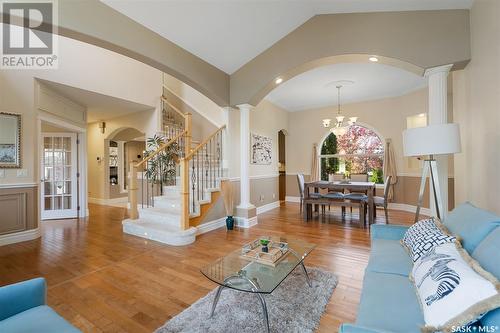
x,y
233,271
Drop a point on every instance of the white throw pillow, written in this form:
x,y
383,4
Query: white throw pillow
x,y
452,288
424,235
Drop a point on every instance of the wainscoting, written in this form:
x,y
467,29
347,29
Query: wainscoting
x,y
19,209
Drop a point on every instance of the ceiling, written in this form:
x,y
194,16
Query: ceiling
x,y
229,33
317,88
99,107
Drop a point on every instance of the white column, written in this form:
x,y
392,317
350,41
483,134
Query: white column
x,y
438,114
245,156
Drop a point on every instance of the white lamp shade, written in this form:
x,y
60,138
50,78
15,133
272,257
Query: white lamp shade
x,y
439,139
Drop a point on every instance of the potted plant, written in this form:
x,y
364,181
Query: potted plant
x,y
161,169
227,196
264,242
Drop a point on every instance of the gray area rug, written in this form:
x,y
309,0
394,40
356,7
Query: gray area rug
x,y
292,307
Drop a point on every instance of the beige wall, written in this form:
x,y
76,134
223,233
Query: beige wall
x,y
265,119
268,119
477,101
201,126
82,66
97,146
263,191
386,116
414,37
93,22
194,100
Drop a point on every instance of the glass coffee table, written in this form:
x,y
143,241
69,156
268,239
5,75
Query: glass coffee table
x,y
234,272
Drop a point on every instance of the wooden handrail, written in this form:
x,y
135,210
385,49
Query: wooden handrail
x,y
198,147
182,114
163,146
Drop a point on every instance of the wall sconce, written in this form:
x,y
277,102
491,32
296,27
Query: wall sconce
x,y
102,126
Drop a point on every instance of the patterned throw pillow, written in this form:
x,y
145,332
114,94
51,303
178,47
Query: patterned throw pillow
x,y
421,237
454,291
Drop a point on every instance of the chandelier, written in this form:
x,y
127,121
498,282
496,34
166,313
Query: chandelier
x,y
339,127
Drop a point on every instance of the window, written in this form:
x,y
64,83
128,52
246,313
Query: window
x,y
358,151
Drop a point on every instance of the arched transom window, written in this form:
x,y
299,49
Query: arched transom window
x,y
359,151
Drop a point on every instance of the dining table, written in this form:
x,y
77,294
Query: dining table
x,y
341,186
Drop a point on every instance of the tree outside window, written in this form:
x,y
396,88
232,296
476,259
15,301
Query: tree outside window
x,y
358,151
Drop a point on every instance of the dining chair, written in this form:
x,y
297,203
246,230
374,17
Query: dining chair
x,y
338,177
359,177
301,183
357,196
383,201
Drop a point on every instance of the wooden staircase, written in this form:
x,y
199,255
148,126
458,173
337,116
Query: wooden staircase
x,y
170,210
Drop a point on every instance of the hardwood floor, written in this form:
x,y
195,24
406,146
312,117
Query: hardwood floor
x,y
102,280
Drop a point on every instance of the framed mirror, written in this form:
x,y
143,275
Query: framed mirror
x,y
10,140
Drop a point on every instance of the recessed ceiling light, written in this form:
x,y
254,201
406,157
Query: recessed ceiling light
x,y
373,59
278,80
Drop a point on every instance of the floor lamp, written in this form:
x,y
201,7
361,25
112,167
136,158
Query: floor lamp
x,y
432,140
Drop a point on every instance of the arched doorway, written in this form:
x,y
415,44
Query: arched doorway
x,y
125,146
359,151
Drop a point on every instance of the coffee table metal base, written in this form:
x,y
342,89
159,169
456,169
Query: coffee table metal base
x,y
255,289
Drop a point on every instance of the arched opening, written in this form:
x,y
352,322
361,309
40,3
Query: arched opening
x,y
360,151
332,60
124,145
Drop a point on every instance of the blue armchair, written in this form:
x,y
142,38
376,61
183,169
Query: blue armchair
x,y
23,309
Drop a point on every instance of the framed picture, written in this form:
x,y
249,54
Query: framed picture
x,y
261,149
10,140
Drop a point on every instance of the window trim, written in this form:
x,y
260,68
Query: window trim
x,y
380,155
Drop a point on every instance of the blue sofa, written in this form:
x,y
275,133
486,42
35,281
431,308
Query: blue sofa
x,y
388,300
23,309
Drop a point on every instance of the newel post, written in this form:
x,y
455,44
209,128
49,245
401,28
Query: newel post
x,y
132,192
188,137
184,194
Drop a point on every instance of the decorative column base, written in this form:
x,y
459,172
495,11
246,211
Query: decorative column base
x,y
246,217
243,222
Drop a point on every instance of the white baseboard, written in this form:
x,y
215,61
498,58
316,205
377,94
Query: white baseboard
x,y
409,208
239,221
212,225
267,207
243,222
292,199
21,236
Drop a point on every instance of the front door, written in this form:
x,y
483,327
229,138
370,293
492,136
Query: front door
x,y
59,176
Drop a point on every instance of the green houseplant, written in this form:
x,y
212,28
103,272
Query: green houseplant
x,y
161,169
264,242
